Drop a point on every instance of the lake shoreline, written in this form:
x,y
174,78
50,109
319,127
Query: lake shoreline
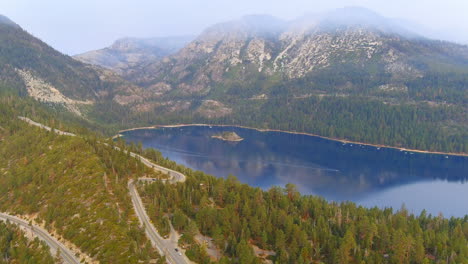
x,y
299,133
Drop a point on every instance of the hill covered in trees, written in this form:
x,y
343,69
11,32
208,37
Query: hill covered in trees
x,y
16,248
75,187
245,222
30,67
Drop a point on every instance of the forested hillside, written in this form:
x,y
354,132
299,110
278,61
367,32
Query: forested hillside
x,y
30,67
422,126
21,51
243,222
16,248
75,187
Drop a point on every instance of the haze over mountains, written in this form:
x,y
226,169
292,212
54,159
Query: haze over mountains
x,y
250,57
292,48
265,72
127,53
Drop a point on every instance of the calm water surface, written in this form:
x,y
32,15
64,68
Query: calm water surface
x,y
366,175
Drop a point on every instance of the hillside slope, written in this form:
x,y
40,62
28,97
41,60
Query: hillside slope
x,y
225,221
28,66
74,187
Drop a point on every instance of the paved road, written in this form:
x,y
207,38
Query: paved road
x,y
29,121
42,234
165,247
174,176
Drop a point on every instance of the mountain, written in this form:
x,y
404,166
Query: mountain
x,y
348,74
30,67
204,58
305,48
128,55
238,72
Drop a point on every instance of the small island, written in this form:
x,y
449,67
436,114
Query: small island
x,y
228,136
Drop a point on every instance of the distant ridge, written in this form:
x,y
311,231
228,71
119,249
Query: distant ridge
x,y
131,54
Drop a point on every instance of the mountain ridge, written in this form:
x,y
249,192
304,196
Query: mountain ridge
x,y
311,47
309,79
128,54
31,67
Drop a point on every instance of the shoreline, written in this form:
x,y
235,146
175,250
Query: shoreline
x,y
300,133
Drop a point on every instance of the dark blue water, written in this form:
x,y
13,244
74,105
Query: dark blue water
x,y
340,172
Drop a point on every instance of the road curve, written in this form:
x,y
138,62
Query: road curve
x,y
59,132
43,235
174,176
164,246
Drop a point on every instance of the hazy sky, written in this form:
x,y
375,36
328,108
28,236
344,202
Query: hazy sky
x,y
75,26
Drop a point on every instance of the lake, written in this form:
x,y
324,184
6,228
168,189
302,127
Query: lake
x,y
367,175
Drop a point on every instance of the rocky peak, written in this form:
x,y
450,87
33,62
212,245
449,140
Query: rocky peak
x,y
125,44
126,53
166,45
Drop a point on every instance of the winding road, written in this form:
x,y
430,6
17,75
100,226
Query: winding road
x,y
43,235
29,121
166,247
174,176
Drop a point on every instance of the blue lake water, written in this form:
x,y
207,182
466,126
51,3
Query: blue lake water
x,y
366,175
